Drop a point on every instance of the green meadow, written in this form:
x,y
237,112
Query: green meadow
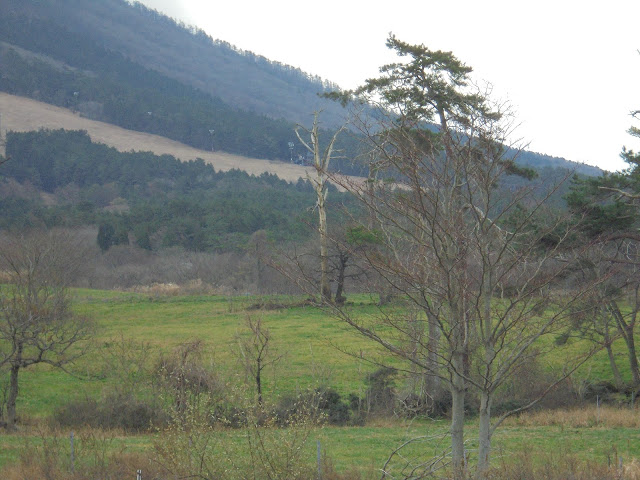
x,y
315,349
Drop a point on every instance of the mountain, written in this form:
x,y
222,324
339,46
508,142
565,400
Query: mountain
x,y
48,56
128,65
21,114
187,54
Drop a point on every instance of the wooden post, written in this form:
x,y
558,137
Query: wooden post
x,y
139,475
72,458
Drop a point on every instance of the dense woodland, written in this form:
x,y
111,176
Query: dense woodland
x,y
157,201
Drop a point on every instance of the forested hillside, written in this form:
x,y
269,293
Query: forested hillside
x,y
48,61
187,54
61,178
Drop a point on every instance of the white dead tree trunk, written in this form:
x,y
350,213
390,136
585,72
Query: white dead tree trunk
x,y
321,160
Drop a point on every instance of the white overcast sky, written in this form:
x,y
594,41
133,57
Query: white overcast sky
x,y
570,69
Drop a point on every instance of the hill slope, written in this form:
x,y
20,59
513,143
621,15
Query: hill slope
x,y
133,67
22,114
154,41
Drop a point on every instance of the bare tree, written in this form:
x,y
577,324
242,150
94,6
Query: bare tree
x,y
256,351
36,321
600,318
478,262
321,160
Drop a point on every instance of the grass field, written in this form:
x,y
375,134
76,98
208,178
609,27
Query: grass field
x,y
313,345
366,448
314,350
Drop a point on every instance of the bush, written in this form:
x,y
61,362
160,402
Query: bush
x,y
113,411
331,404
529,382
381,392
324,404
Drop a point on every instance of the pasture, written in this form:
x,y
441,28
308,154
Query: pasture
x,y
313,350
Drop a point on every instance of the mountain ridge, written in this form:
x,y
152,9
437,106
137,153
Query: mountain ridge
x,y
134,91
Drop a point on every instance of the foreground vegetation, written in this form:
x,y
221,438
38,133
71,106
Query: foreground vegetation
x,y
523,447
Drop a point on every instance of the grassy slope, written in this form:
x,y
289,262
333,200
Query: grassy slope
x,y
312,344
308,340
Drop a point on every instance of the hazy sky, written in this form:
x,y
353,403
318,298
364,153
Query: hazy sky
x,y
570,69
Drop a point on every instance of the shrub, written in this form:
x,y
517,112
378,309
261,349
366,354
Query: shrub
x,y
113,411
381,392
330,403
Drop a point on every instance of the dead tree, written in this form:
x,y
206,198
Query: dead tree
x,y
321,160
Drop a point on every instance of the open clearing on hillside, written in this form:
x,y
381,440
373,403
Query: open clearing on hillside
x,y
21,114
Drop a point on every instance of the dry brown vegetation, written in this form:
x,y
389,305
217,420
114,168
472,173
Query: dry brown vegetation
x,y
22,114
563,466
583,417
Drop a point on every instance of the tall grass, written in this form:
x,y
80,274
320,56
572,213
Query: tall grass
x,y
583,417
528,465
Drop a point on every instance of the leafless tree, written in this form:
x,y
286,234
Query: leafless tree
x,y
37,324
256,351
482,265
600,318
321,161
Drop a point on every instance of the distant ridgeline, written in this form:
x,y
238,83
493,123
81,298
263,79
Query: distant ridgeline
x,y
45,60
157,201
125,64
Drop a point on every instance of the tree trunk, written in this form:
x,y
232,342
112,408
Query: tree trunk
x,y
457,434
13,396
259,386
325,286
612,362
484,436
457,417
633,357
432,382
343,258
484,415
627,331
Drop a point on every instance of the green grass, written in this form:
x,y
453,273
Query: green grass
x,y
312,344
309,341
367,448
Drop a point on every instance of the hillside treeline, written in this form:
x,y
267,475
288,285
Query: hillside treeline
x,y
154,201
47,62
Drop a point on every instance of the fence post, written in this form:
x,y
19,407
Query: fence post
x,y
72,457
318,455
139,475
